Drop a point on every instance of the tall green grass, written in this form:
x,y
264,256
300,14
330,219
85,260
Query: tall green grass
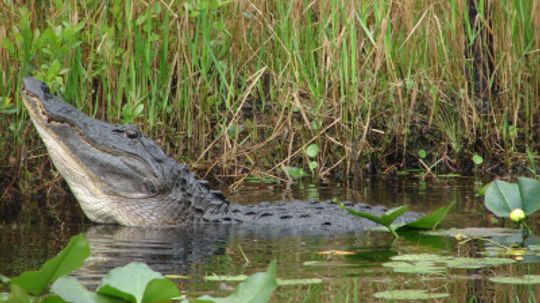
x,y
242,87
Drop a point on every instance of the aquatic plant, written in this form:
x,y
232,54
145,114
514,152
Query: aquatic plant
x,y
426,222
515,201
133,283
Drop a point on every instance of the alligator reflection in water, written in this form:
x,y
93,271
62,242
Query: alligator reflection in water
x,y
182,250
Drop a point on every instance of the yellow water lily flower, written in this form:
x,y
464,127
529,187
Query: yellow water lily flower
x,y
517,215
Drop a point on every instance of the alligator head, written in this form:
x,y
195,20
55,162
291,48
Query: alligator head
x,y
116,173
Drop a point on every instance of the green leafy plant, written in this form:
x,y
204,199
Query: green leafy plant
x,y
256,288
429,221
133,283
515,201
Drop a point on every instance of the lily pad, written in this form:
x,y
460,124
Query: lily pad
x,y
524,280
409,294
503,197
291,282
421,258
415,267
474,232
474,263
236,278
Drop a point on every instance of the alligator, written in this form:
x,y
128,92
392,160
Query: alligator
x,y
119,176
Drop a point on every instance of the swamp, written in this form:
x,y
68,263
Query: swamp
x,y
344,151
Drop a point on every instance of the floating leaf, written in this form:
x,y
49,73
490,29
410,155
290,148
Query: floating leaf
x,y
422,154
415,267
475,232
430,221
524,280
69,259
313,165
226,278
312,150
421,257
410,294
257,288
292,282
137,283
472,263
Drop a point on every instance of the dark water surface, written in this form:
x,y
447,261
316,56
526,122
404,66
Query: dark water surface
x,y
196,252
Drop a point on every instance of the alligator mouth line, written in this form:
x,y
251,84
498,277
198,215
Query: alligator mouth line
x,y
48,119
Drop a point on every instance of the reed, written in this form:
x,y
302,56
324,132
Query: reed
x,y
239,88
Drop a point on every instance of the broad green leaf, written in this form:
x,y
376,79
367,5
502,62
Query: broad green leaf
x,y
530,194
409,294
430,221
135,283
502,197
385,219
71,291
257,288
312,150
313,165
525,280
18,295
422,154
69,259
160,290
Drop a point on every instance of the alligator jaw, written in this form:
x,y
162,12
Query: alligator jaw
x,y
116,173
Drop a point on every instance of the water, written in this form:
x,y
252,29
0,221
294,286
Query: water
x,y
196,252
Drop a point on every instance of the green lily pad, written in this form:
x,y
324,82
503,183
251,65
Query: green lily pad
x,y
69,259
415,267
292,282
474,263
503,197
237,278
524,280
474,232
409,294
421,258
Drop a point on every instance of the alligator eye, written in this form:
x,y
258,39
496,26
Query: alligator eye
x,y
45,88
150,187
132,133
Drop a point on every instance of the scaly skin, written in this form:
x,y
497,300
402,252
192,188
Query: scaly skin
x,y
119,176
